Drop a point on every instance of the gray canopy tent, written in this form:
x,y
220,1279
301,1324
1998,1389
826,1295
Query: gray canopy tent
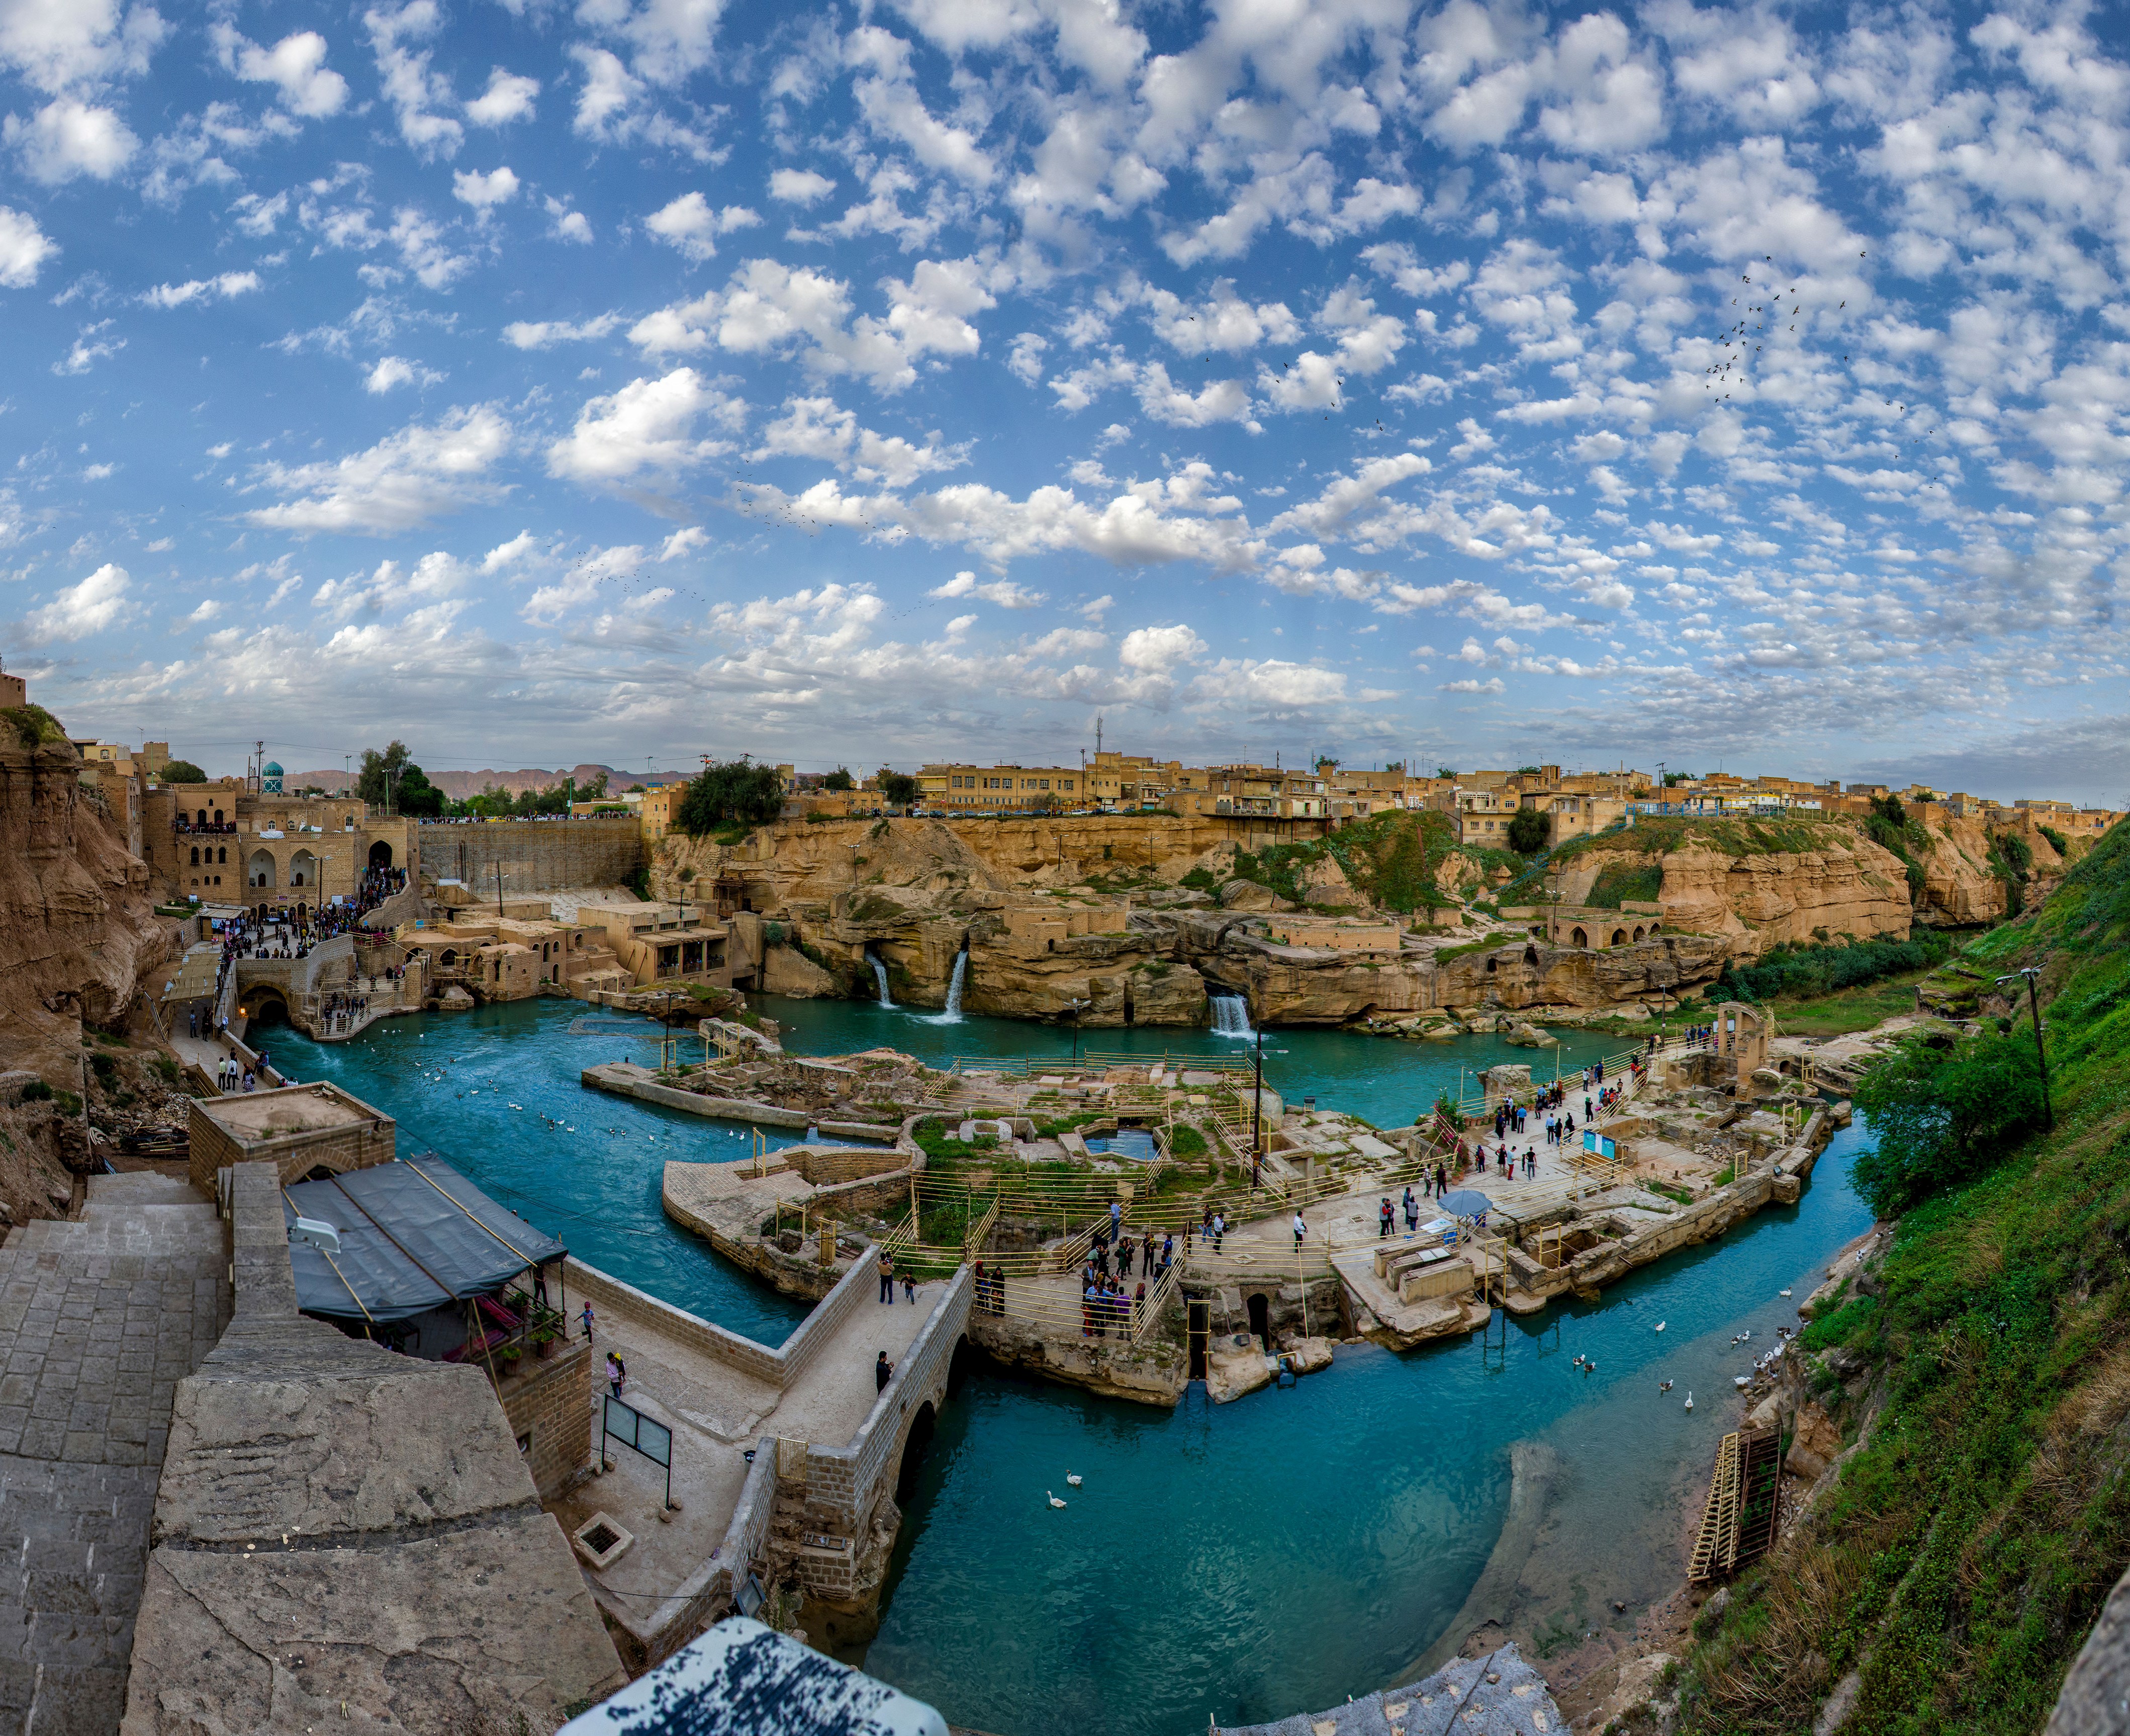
x,y
417,1241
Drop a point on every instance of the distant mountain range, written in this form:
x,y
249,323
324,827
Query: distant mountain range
x,y
460,785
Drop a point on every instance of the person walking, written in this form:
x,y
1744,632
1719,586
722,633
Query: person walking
x,y
617,1371
586,1317
886,1276
909,1287
883,1371
1116,1220
1301,1230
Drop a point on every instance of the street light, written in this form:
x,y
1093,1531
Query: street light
x,y
1076,1008
2031,971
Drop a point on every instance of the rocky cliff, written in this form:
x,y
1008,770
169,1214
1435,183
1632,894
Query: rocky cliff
x,y
1753,889
77,927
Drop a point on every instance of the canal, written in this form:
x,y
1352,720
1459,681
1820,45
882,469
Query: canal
x,y
1245,1561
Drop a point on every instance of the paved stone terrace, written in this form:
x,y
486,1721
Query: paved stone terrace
x,y
99,1320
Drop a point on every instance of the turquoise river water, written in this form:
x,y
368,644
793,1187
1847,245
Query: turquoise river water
x,y
1245,1561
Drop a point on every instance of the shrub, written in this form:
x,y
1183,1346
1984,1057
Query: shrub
x,y
2057,841
1199,880
1527,831
1808,971
1943,1116
181,771
36,1091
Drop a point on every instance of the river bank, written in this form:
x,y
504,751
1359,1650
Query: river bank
x,y
1362,1504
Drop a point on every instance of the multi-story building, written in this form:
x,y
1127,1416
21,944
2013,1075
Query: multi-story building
x,y
968,788
224,843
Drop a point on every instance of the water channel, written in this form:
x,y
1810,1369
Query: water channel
x,y
1244,1562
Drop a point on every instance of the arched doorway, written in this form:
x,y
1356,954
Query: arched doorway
x,y
303,869
1638,934
264,1004
958,1366
1530,955
1260,1312
380,854
1619,937
259,872
913,1453
1579,937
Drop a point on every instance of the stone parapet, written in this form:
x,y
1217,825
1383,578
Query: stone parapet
x,y
317,1486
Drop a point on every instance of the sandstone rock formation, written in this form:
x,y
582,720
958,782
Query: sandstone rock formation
x,y
77,927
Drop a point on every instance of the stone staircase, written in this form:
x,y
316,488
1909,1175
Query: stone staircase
x,y
100,1318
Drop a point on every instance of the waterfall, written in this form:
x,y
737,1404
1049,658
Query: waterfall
x,y
952,1015
1231,1016
880,976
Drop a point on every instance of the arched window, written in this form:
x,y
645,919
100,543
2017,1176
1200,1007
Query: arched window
x,y
195,862
223,855
203,816
218,816
260,872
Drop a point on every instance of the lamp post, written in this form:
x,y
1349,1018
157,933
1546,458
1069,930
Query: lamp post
x,y
1076,1008
2031,973
1257,1103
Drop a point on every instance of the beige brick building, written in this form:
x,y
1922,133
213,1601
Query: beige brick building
x,y
299,1129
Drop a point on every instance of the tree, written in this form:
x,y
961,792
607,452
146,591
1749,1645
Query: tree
x,y
1889,808
1675,777
595,790
182,771
1528,831
840,779
899,789
730,792
1526,771
415,796
379,771
1444,771
1943,1115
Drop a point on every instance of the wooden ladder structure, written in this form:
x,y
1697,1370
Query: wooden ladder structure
x,y
1744,1499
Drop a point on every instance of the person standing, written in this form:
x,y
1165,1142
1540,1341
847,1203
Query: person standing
x,y
909,1287
1383,1220
1301,1230
883,1371
617,1371
886,1276
1116,1220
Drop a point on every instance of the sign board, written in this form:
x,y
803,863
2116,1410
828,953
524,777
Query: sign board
x,y
1600,1143
630,1427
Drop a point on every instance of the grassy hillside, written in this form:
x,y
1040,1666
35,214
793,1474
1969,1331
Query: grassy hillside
x,y
1958,1563
1392,858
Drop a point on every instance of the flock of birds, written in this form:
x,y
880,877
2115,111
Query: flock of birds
x,y
1072,1480
1588,1364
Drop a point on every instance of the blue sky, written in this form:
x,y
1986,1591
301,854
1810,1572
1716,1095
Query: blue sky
x,y
635,378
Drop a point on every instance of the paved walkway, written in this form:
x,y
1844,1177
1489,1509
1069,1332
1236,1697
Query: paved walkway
x,y
99,1320
716,1412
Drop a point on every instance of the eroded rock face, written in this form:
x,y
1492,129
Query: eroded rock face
x,y
77,927
1758,902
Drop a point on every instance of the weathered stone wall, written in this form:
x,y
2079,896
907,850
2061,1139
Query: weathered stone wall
x,y
847,1486
318,1489
548,1405
354,1147
532,855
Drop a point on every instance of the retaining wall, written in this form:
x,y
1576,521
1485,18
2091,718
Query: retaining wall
x,y
601,1078
532,855
845,1485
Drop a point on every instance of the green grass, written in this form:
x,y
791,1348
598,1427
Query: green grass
x,y
1849,1009
1960,1560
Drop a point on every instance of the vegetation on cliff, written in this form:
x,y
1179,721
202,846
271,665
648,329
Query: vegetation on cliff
x,y
729,795
1802,973
1957,1562
1391,859
31,726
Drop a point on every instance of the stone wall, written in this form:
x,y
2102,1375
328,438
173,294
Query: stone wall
x,y
548,1405
354,1147
823,1166
344,1531
532,855
846,1486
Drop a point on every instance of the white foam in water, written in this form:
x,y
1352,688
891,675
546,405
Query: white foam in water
x,y
1231,1016
952,1015
880,976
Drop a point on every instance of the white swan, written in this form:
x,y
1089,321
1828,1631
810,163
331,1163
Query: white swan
x,y
1072,1479
1689,1400
1662,1324
1054,1501
1782,1293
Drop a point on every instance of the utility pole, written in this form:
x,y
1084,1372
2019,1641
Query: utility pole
x,y
2031,973
1257,1100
